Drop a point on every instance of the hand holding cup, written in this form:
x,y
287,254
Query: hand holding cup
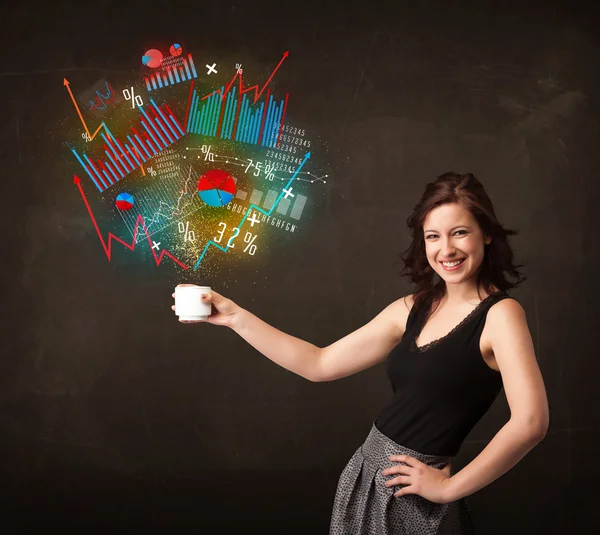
x,y
193,305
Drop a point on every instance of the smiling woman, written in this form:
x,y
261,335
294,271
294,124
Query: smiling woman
x,y
444,373
449,349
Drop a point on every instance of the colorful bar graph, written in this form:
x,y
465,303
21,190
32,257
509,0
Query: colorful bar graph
x,y
159,125
256,123
172,75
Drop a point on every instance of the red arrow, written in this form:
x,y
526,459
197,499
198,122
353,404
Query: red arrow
x,y
111,236
285,55
257,93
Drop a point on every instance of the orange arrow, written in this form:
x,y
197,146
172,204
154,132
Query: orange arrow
x,y
138,155
68,86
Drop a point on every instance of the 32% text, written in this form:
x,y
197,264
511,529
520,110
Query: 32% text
x,y
249,239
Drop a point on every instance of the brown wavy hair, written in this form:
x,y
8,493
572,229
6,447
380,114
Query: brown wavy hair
x,y
469,193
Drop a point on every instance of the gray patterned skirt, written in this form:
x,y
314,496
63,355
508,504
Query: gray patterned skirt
x,y
363,505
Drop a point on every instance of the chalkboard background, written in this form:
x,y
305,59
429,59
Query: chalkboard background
x,y
114,416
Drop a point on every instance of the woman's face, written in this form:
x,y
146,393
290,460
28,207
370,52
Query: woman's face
x,y
452,233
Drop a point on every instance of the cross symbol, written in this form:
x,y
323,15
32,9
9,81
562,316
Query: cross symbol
x,y
253,219
288,192
156,245
211,68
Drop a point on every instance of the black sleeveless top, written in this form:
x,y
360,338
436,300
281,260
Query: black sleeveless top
x,y
442,389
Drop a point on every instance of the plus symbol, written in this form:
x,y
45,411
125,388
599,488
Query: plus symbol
x,y
253,219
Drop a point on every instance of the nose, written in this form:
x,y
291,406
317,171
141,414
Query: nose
x,y
447,249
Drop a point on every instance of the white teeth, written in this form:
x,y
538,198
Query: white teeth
x,y
452,264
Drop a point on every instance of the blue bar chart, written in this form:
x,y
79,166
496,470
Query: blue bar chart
x,y
239,119
173,74
161,129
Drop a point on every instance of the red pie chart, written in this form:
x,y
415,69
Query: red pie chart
x,y
216,187
176,50
152,58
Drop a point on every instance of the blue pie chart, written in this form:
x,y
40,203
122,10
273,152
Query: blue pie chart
x,y
124,201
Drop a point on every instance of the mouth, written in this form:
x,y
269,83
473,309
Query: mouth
x,y
453,266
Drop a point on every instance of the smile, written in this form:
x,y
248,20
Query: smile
x,y
451,266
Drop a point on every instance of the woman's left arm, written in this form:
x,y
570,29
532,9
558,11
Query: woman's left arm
x,y
526,395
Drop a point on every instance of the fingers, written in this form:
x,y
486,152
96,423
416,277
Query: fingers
x,y
187,321
398,469
400,480
211,297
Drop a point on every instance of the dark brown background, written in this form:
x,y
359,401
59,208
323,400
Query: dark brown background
x,y
115,417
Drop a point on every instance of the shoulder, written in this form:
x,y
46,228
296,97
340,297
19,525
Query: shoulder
x,y
409,301
399,311
506,315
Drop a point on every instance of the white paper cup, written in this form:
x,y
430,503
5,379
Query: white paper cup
x,y
189,305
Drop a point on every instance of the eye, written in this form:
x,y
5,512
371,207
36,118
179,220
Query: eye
x,y
433,235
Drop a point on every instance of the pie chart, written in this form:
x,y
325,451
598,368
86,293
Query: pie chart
x,y
176,50
124,201
152,58
216,187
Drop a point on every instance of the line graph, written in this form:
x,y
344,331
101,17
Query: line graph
x,y
236,119
97,98
108,246
165,202
249,210
67,84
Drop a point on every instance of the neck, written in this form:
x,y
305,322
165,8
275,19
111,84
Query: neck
x,y
456,294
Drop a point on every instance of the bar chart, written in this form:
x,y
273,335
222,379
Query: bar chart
x,y
269,199
229,117
172,74
160,130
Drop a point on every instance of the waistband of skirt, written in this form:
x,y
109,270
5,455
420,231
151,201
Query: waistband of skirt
x,y
378,447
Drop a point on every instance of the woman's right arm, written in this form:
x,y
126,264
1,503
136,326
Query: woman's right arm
x,y
357,351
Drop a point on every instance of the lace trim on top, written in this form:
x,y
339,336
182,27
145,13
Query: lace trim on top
x,y
420,349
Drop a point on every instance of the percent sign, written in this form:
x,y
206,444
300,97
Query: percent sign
x,y
249,239
210,156
189,234
135,99
86,136
151,171
269,170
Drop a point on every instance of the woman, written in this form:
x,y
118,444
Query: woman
x,y
449,349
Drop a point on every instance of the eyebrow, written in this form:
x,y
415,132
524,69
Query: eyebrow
x,y
459,226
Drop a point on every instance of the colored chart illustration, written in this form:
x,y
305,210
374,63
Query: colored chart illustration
x,y
152,58
216,187
124,201
180,196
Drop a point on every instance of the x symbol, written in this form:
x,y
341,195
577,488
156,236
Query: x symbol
x,y
156,245
211,68
288,193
